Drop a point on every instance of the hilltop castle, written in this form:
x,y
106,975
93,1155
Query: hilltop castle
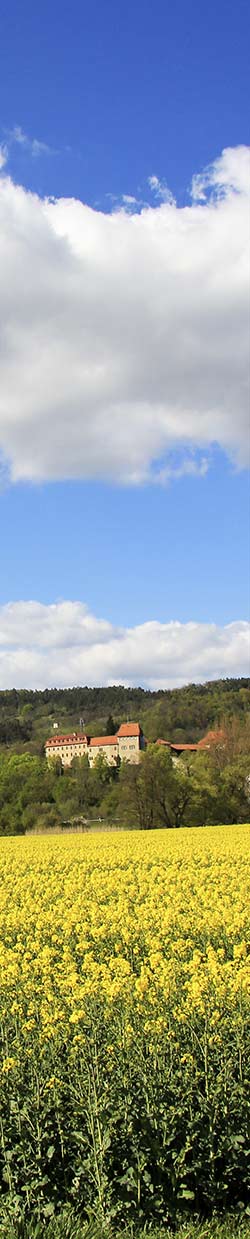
x,y
126,744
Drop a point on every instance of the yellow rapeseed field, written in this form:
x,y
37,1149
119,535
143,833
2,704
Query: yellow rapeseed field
x,y
124,973
150,919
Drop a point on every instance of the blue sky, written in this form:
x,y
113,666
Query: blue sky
x,y
124,487
127,89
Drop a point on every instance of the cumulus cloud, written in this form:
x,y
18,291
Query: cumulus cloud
x,y
64,644
231,172
124,336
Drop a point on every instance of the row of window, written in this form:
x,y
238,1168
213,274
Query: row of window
x,y
71,751
127,746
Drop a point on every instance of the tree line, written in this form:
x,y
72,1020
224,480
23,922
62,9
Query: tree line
x,y
182,714
204,788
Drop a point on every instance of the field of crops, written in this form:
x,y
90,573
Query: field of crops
x,y
124,983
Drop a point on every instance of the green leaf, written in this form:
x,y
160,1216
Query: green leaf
x,y
49,1209
186,1194
50,1152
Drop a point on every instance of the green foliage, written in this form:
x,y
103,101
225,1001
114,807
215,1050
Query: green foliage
x,y
185,714
34,796
202,788
205,788
111,726
68,1226
26,793
220,777
143,1145
154,793
177,714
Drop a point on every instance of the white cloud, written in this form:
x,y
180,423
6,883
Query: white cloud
x,y
129,200
160,190
63,644
16,136
185,468
231,172
124,336
3,155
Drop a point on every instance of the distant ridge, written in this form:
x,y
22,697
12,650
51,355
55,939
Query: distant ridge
x,y
182,715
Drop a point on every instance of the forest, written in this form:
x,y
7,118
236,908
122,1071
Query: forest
x,y
208,787
205,788
180,714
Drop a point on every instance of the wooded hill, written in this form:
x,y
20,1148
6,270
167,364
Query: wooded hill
x,y
181,714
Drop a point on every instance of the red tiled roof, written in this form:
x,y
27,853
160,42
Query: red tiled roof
x,y
129,729
182,747
126,729
102,741
179,747
212,737
75,738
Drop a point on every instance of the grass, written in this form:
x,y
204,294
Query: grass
x,y
66,1227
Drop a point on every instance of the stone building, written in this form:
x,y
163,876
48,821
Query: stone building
x,y
106,746
66,747
126,745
